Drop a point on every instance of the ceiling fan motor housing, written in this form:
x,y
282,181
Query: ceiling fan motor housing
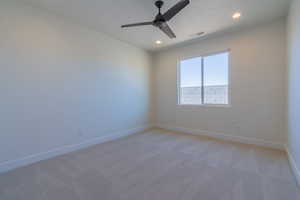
x,y
159,19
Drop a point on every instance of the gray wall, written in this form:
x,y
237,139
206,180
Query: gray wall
x,y
62,83
257,85
294,82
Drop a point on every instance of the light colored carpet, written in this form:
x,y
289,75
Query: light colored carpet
x,y
157,165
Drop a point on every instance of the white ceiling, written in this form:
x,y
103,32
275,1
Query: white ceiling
x,y
210,16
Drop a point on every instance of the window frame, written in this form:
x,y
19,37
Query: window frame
x,y
202,71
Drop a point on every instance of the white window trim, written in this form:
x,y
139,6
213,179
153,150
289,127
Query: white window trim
x,y
202,56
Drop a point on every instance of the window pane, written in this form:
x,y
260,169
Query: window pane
x,y
190,81
216,79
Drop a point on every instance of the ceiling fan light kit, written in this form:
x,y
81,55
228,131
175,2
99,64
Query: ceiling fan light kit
x,y
160,21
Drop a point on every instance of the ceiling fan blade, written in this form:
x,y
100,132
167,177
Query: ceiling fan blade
x,y
137,24
175,9
167,30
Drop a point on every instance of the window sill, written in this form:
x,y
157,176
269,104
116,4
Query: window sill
x,y
206,105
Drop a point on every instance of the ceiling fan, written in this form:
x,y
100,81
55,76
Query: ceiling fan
x,y
160,20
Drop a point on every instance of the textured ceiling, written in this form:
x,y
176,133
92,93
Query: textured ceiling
x,y
209,16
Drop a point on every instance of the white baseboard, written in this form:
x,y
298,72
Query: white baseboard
x,y
222,136
293,166
13,164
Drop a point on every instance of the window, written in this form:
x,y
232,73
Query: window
x,y
204,80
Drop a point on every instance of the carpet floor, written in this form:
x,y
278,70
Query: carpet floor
x,y
157,165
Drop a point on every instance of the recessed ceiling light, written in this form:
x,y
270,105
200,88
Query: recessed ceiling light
x,y
158,42
236,15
